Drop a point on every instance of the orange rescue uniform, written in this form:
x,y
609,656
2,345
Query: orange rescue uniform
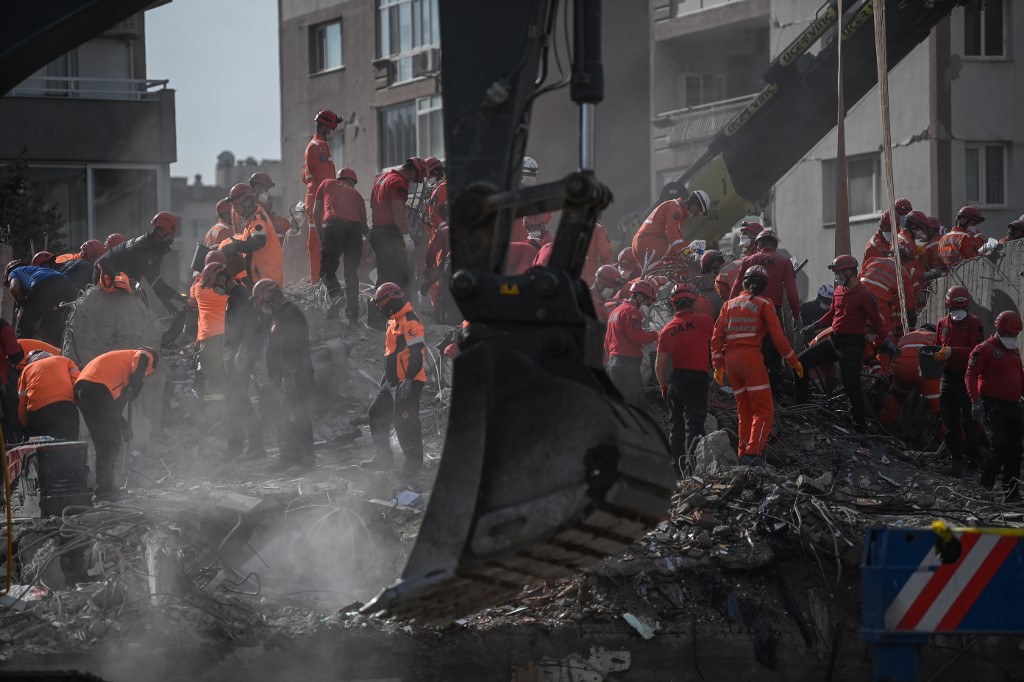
x,y
405,335
662,232
598,253
906,376
317,166
218,233
44,382
113,369
958,245
726,277
268,260
736,346
29,345
212,307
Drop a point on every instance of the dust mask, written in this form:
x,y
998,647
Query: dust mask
x,y
535,234
266,310
957,315
528,180
744,241
263,197
1009,341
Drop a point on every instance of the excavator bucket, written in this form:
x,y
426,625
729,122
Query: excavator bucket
x,y
540,477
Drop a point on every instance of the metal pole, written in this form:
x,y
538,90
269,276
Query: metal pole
x,y
587,136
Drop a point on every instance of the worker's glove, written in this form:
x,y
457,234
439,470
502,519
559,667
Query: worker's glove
x,y
891,348
720,376
932,274
942,354
126,430
409,246
978,412
799,369
810,330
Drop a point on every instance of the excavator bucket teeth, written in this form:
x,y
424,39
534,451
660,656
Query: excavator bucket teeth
x,y
541,476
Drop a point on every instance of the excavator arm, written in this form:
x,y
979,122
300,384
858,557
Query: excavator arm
x,y
545,470
797,106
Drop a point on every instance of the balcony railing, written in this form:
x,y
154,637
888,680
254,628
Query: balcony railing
x,y
701,122
82,87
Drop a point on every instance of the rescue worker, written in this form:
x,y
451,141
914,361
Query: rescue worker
x,y
627,264
906,376
598,253
960,243
607,283
625,338
531,226
390,236
437,204
44,259
113,239
748,233
105,385
684,343
437,270
398,400
243,346
210,331
736,349
958,333
878,245
141,258
812,311
317,166
903,208
781,286
290,370
78,267
711,262
879,277
223,228
1014,231
995,384
27,346
339,215
12,359
38,293
46,396
261,184
931,244
853,308
265,259
90,250
662,232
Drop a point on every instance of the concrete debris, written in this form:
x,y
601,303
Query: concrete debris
x,y
645,626
713,454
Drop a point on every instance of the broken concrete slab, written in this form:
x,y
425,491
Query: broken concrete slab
x,y
713,454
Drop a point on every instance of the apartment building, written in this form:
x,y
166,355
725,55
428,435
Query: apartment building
x,y
98,133
956,138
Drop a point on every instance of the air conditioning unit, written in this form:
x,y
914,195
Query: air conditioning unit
x,y
426,63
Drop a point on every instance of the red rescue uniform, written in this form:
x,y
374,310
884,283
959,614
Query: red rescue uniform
x,y
388,187
317,166
522,228
781,279
523,255
995,371
959,245
341,201
961,338
726,277
878,246
218,233
687,338
662,232
438,199
906,376
736,346
852,311
625,335
880,278
598,253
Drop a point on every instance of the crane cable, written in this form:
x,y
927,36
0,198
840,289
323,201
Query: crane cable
x,y
881,59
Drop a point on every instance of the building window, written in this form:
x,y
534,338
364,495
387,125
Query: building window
x,y
694,89
409,35
984,29
413,128
864,187
985,173
325,47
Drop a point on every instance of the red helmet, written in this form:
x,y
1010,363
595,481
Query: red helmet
x,y
92,249
883,222
420,166
958,298
767,233
644,288
626,257
386,293
239,192
917,219
166,222
434,165
328,118
752,229
215,256
210,272
263,290
970,213
903,206
756,272
681,292
348,174
608,276
7,271
224,208
843,262
708,260
42,257
1008,323
113,239
261,178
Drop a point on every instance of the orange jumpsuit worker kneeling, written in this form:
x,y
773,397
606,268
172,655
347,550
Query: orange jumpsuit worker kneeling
x,y
736,349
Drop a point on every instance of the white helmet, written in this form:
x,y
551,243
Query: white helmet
x,y
700,199
530,166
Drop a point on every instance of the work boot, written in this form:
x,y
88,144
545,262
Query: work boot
x,y
108,493
412,466
384,458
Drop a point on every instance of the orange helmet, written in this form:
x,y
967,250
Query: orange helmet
x,y
239,192
93,249
608,276
644,288
224,208
210,273
261,178
710,257
387,293
683,292
42,258
113,283
166,222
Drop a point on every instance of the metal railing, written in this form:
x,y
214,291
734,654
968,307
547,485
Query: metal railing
x,y
83,87
700,122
